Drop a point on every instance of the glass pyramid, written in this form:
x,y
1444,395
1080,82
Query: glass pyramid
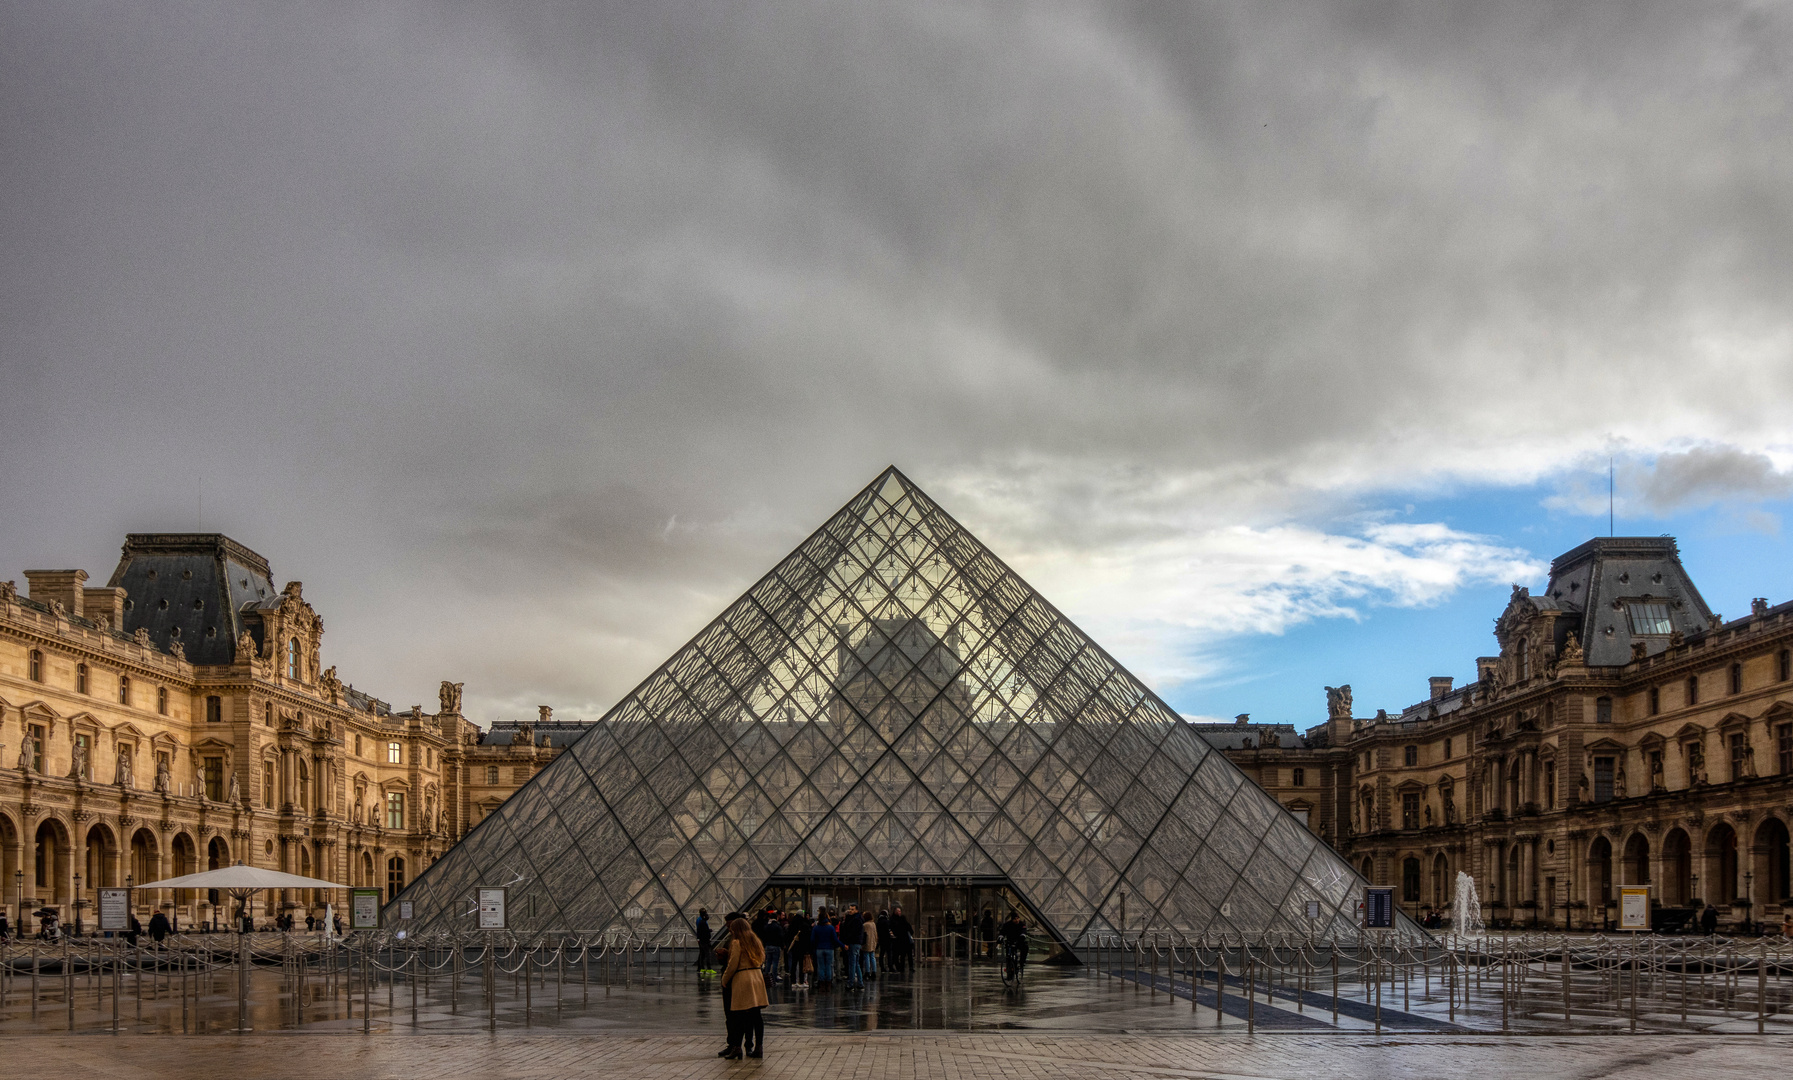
x,y
894,703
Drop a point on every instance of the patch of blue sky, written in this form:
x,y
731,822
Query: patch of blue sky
x,y
1386,652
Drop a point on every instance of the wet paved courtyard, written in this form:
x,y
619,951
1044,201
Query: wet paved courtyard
x,y
1533,998
521,1055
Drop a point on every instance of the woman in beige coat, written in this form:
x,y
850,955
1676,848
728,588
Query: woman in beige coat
x,y
747,991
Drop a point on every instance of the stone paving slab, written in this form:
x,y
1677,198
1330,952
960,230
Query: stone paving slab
x,y
517,1056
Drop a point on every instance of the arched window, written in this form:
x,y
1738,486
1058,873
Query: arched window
x,y
124,689
292,659
37,665
81,678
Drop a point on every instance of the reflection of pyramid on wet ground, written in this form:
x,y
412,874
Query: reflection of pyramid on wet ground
x,y
891,700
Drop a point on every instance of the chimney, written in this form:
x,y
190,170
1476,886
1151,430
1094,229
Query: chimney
x,y
547,714
1242,718
105,606
63,585
1441,685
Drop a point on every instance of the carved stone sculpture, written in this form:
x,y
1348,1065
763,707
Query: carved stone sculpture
x,y
450,694
235,793
1572,651
1618,782
1338,701
164,782
123,777
1656,779
78,764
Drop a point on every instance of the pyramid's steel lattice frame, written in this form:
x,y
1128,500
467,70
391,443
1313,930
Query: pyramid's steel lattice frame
x,y
894,700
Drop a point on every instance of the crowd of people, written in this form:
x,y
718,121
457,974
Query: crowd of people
x,y
772,947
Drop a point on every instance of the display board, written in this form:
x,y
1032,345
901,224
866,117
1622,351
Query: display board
x,y
1378,908
115,909
364,909
492,913
1634,908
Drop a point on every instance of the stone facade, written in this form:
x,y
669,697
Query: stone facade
x,y
1622,735
181,719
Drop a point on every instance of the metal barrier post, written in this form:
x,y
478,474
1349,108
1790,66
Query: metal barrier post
x,y
1335,985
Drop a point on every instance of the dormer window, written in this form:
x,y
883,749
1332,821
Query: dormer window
x,y
1650,620
292,659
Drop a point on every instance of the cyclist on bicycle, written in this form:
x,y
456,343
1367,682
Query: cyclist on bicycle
x,y
1014,946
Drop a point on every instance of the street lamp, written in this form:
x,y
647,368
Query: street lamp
x,y
78,903
18,884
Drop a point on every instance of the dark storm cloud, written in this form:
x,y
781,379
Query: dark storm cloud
x,y
527,334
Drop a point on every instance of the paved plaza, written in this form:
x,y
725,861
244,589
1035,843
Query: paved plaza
x,y
954,1057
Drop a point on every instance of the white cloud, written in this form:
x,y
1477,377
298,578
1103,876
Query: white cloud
x,y
1164,595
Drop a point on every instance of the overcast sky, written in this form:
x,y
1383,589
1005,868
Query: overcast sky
x,y
528,336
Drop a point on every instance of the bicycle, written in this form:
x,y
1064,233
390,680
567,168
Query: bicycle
x,y
1014,960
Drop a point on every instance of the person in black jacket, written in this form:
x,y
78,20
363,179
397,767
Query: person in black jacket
x,y
852,935
158,927
902,941
1709,920
705,962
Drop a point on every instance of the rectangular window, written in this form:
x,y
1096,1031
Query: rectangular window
x,y
1655,701
124,689
1693,689
162,700
1785,732
429,757
214,778
357,746
34,746
1447,749
1783,668
1603,710
1301,813
1410,755
520,774
1298,777
1550,898
214,709
1410,810
395,754
492,773
1739,751
1650,620
1736,678
1603,779
1550,785
395,809
267,784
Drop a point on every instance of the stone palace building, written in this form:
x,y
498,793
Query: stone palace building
x,y
181,718
1623,734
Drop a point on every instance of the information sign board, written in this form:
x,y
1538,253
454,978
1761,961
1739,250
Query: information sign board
x,y
404,910
1378,908
364,909
115,909
492,908
1313,909
1634,908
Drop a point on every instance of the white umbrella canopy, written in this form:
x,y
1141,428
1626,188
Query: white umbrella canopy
x,y
241,879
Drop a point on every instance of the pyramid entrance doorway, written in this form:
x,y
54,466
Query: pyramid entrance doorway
x,y
938,907
892,701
